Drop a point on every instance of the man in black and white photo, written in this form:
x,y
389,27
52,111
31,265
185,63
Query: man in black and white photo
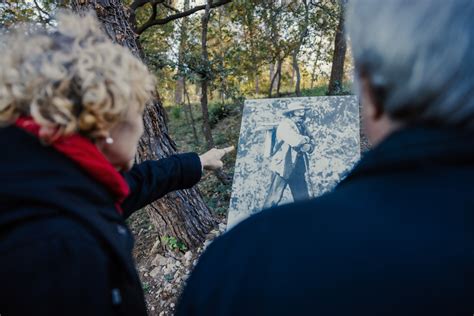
x,y
289,161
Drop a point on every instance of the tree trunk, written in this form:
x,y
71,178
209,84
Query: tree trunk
x,y
293,75
296,51
314,74
182,214
257,84
278,73
296,68
191,115
178,94
314,77
179,90
272,71
272,78
340,47
206,128
275,77
222,65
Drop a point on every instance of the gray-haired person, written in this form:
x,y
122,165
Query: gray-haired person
x,y
289,162
396,237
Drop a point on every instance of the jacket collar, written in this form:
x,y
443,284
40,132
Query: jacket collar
x,y
415,147
86,155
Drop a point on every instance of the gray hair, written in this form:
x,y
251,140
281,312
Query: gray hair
x,y
418,56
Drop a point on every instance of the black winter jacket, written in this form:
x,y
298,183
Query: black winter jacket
x,y
64,248
396,237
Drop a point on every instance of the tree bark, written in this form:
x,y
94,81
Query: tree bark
x,y
293,73
179,90
274,77
296,68
206,128
191,115
257,84
314,74
280,63
296,52
181,214
340,47
272,71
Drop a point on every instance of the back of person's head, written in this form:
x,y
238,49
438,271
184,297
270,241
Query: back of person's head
x,y
72,79
418,57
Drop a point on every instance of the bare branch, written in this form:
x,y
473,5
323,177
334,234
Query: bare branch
x,y
154,11
41,12
138,3
152,22
170,7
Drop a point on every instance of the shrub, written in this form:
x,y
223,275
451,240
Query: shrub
x,y
219,112
176,112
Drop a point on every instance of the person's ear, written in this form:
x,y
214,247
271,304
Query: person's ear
x,y
373,108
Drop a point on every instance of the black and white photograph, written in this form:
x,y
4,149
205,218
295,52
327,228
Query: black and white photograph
x,y
292,149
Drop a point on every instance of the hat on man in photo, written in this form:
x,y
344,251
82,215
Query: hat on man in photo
x,y
294,106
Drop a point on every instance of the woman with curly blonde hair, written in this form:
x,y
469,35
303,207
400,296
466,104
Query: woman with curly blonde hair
x,y
71,105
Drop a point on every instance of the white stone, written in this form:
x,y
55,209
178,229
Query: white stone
x,y
188,256
155,246
155,272
169,269
159,260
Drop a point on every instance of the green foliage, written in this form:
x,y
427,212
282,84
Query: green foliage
x,y
176,111
14,12
344,89
316,91
173,243
219,111
220,192
146,287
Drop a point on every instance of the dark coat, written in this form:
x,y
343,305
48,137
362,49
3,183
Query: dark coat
x,y
395,238
64,249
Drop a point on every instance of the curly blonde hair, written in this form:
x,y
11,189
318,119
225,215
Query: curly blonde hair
x,y
72,80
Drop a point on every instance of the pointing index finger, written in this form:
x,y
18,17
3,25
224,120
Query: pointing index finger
x,y
228,149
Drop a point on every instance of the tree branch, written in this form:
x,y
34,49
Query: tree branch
x,y
41,11
170,7
154,21
138,3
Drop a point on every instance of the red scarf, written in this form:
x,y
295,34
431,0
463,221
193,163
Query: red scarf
x,y
88,157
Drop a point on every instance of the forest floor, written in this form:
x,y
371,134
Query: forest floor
x,y
163,275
